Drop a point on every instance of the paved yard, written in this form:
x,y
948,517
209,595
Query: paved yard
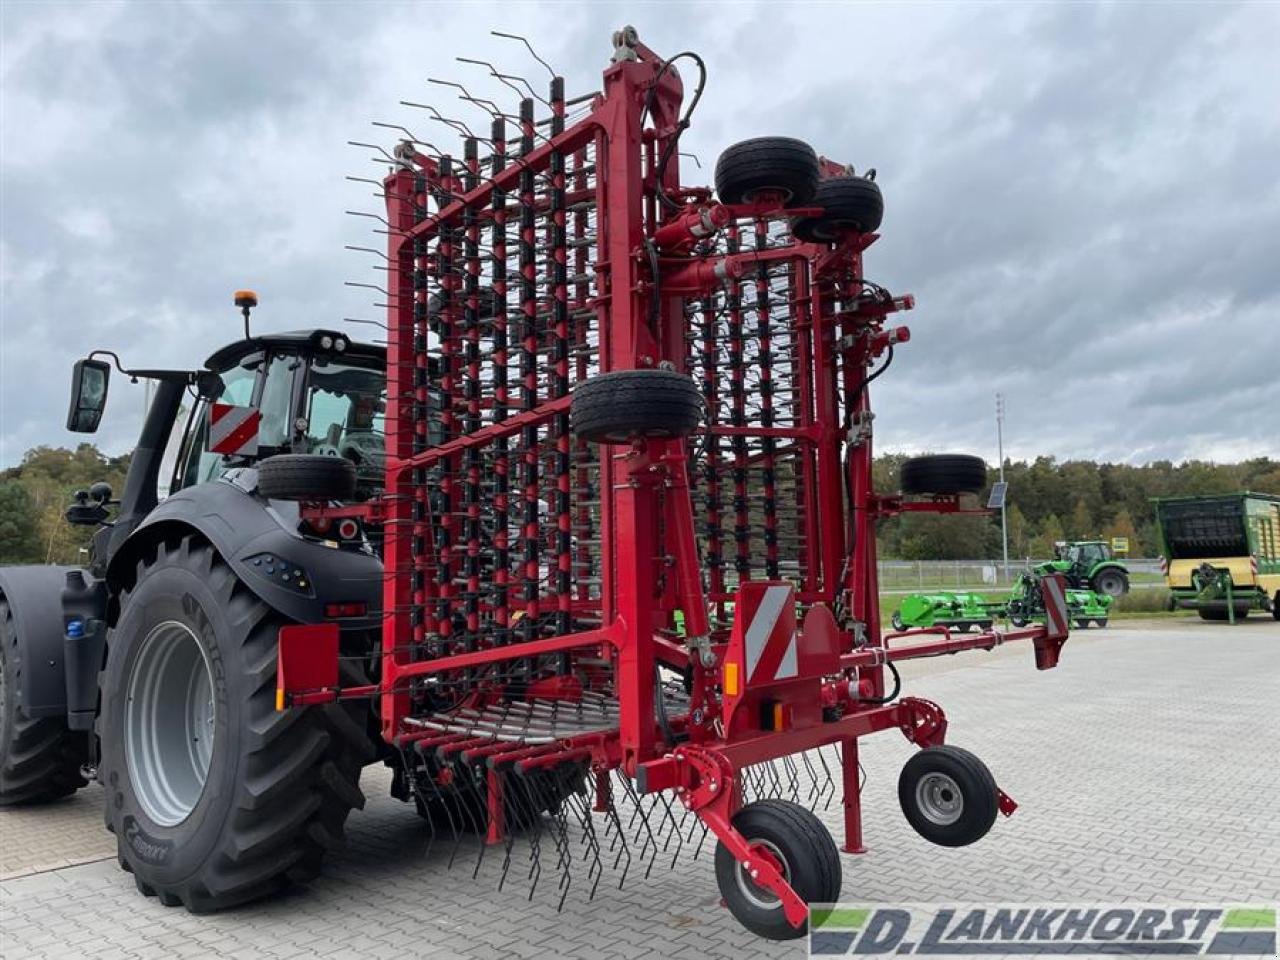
x,y
1146,768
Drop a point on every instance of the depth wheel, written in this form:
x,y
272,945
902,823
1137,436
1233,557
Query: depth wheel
x,y
808,857
40,759
948,795
215,798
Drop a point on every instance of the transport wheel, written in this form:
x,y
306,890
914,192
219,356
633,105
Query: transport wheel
x,y
851,204
985,625
767,164
896,620
1082,624
1220,613
1101,623
40,759
948,796
1111,582
214,797
1019,621
306,476
620,406
943,473
802,846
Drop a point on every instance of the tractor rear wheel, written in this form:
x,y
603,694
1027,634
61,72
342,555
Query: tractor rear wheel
x,y
946,473
1111,581
948,795
40,759
800,844
780,165
621,406
215,798
850,204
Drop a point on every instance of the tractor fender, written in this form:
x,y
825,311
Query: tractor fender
x,y
34,596
260,541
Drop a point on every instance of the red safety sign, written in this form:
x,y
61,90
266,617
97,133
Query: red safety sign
x,y
233,431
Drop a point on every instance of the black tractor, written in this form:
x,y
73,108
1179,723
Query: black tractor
x,y
154,668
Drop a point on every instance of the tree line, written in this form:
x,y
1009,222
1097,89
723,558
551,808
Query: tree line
x,y
1048,500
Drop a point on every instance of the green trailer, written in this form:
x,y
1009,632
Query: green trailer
x,y
1221,554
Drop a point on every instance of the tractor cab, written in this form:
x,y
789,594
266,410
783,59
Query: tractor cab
x,y
310,392
1083,555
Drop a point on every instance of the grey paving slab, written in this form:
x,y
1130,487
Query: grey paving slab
x,y
1145,766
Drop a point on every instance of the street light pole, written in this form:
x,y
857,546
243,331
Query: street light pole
x,y
1004,524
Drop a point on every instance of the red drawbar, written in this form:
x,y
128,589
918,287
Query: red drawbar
x,y
307,660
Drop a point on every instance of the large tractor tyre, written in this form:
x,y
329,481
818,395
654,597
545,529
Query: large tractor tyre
x,y
306,476
948,796
851,204
40,759
1112,582
753,168
1275,606
215,798
800,844
943,473
621,406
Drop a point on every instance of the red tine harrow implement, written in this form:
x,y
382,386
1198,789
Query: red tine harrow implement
x,y
628,520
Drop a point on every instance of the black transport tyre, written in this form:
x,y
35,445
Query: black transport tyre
x,y
948,795
896,620
617,407
1220,612
1082,624
40,759
214,797
1018,621
1110,581
305,476
984,626
810,861
850,204
1101,623
752,167
943,473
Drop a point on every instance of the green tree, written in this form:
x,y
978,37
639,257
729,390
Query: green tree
x,y
1041,545
19,536
1080,526
1122,526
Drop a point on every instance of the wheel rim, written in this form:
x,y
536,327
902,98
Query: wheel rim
x,y
170,721
939,799
758,896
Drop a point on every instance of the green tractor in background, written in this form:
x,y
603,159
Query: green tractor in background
x,y
1088,565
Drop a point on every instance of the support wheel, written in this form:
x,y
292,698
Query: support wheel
x,y
40,759
943,473
306,476
896,620
621,406
851,204
215,798
765,165
806,852
948,795
1101,623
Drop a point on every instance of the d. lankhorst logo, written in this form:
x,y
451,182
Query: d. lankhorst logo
x,y
970,930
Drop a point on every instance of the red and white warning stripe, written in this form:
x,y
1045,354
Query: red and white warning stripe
x,y
1164,567
1055,605
770,639
233,431
1253,565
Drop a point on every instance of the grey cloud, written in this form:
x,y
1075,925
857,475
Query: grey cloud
x,y
1083,197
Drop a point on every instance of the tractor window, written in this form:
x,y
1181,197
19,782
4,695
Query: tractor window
x,y
197,464
345,405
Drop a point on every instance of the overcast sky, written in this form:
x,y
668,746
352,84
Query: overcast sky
x,y
1084,199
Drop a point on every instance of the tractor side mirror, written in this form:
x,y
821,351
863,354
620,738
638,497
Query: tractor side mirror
x,y
88,395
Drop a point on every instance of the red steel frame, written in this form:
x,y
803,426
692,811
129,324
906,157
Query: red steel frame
x,y
444,616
